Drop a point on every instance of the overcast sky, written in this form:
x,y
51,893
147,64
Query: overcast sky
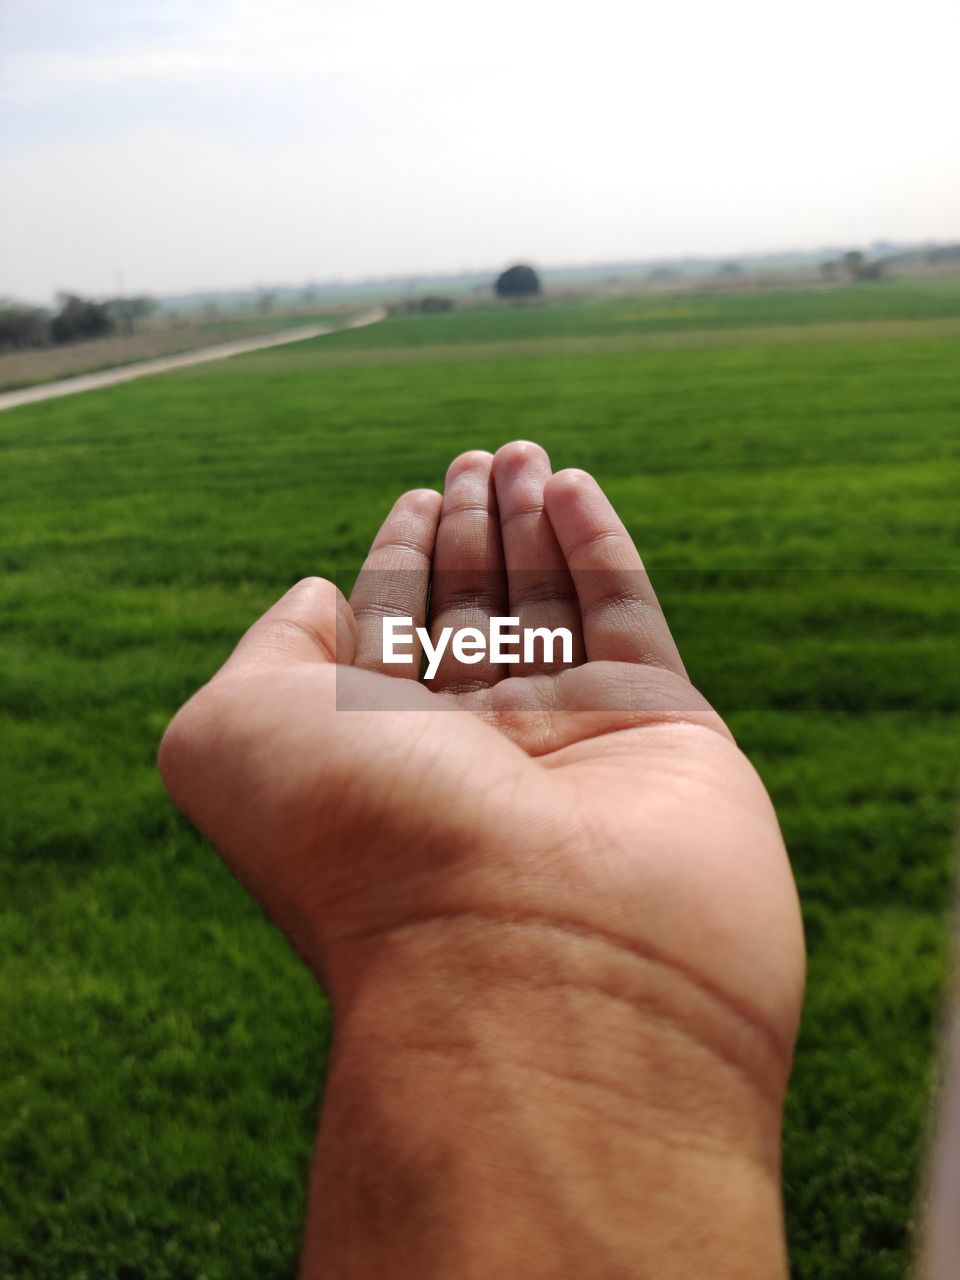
x,y
178,145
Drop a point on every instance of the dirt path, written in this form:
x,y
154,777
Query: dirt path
x,y
145,368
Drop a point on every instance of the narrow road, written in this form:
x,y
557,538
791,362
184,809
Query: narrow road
x,y
163,364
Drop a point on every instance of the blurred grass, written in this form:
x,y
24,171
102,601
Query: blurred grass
x,y
797,506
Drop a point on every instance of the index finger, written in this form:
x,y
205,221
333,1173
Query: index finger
x,y
395,578
622,618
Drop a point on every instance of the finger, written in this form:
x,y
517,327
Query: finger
x,y
394,581
622,620
311,623
540,590
468,585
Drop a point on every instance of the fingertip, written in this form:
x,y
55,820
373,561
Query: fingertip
x,y
568,485
419,502
311,600
312,592
469,483
311,622
471,460
518,454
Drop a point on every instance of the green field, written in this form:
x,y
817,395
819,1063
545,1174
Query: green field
x,y
789,466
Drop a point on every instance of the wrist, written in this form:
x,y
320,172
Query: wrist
x,y
500,1093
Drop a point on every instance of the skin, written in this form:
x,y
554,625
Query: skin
x,y
552,907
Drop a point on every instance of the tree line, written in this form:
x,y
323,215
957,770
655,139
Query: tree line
x,y
74,320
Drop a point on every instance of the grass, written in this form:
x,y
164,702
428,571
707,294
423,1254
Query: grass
x,y
796,503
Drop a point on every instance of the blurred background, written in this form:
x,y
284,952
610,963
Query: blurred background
x,y
711,254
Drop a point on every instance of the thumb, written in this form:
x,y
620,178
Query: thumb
x,y
311,623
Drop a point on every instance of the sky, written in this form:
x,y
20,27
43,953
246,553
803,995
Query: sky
x,y
168,146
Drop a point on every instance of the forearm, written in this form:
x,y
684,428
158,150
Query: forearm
x,y
542,1128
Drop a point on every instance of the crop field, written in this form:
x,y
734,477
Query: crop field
x,y
789,465
163,337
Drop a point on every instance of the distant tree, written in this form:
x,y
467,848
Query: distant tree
x,y
265,300
127,311
430,304
519,281
434,303
729,269
871,271
859,269
938,254
853,261
80,318
23,326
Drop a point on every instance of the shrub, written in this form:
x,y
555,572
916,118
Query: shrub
x,y
519,281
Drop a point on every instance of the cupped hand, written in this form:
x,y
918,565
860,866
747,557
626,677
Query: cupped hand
x,y
591,827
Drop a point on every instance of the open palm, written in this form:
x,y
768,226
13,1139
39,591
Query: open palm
x,y
601,809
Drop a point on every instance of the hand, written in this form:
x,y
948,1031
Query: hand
x,y
569,881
